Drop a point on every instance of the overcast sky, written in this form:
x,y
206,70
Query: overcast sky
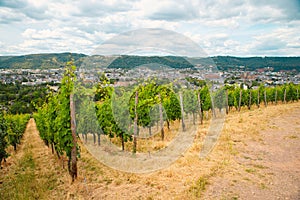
x,y
219,27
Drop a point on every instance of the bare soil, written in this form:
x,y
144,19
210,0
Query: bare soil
x,y
266,166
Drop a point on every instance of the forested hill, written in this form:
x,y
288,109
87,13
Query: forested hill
x,y
252,63
57,60
126,61
39,61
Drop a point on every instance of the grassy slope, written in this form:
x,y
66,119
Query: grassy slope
x,y
188,178
31,172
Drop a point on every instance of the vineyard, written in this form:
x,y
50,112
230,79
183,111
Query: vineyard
x,y
12,128
129,117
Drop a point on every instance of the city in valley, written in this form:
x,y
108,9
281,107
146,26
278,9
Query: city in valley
x,y
121,77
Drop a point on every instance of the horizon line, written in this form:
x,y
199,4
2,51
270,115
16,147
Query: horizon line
x,y
217,55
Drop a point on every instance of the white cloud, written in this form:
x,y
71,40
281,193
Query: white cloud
x,y
253,27
282,41
160,40
7,16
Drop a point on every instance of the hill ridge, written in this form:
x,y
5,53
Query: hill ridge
x,y
58,60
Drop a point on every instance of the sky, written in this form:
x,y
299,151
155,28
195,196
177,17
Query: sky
x,y
219,27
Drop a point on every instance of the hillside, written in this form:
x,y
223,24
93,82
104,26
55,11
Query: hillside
x,y
252,63
129,62
256,157
39,61
57,60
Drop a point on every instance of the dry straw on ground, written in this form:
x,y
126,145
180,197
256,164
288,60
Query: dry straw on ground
x,y
257,157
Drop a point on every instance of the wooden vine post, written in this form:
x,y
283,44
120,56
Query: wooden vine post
x,y
284,96
226,101
240,101
73,171
200,108
258,100
265,98
161,118
250,99
275,96
135,122
182,111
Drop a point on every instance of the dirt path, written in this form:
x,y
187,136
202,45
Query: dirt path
x,y
266,166
257,157
32,172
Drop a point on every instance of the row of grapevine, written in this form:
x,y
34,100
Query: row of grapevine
x,y
12,128
54,121
238,97
145,99
120,112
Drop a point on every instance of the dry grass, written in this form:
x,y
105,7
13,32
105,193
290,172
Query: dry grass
x,y
31,172
151,143
188,178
